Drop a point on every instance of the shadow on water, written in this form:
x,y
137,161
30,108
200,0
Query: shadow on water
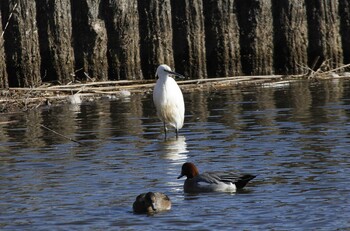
x,y
295,137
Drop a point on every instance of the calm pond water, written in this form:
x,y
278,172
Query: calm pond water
x,y
295,137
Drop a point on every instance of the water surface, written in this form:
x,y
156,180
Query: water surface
x,y
295,137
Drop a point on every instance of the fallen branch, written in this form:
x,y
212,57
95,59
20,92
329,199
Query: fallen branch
x,y
118,83
336,69
30,98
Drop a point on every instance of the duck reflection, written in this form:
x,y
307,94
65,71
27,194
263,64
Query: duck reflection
x,y
175,149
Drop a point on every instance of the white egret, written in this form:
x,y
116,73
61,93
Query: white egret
x,y
168,99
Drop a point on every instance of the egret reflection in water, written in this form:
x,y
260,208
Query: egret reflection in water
x,y
174,149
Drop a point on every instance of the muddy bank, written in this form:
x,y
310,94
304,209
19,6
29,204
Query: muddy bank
x,y
23,99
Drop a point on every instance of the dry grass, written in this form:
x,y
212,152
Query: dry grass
x,y
14,99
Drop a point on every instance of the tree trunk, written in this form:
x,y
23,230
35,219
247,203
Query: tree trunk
x,y
121,18
222,38
3,72
55,37
256,40
188,38
90,40
57,40
156,35
344,12
21,43
290,36
324,37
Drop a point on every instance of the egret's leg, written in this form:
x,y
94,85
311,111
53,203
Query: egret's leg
x,y
164,129
177,133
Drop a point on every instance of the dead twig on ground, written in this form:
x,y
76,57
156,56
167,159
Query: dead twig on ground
x,y
324,71
30,98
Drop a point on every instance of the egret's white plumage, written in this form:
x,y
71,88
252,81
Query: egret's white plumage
x,y
168,99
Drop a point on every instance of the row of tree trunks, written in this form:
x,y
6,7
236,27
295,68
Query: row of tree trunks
x,y
66,40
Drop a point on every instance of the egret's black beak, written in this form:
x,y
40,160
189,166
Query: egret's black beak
x,y
176,74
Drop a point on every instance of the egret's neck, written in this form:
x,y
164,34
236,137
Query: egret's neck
x,y
163,78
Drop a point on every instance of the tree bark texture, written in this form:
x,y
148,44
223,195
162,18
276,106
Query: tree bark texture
x,y
222,38
344,12
3,72
90,40
189,38
21,43
323,33
290,36
66,40
55,36
155,35
123,39
256,40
